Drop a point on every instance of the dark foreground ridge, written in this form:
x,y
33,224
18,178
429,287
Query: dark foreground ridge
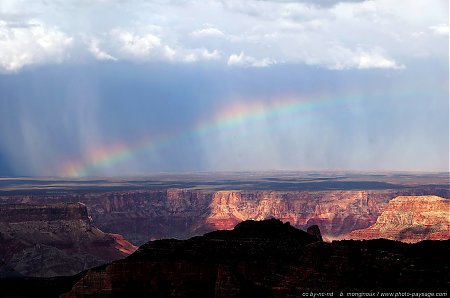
x,y
257,259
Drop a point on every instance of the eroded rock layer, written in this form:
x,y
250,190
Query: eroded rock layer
x,y
410,219
142,215
55,239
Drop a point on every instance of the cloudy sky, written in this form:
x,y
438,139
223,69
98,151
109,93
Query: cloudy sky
x,y
115,87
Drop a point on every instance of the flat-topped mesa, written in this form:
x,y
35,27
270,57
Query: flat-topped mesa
x,y
410,219
55,239
265,229
48,212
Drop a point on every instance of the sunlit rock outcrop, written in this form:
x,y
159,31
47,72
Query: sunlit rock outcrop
x,y
410,219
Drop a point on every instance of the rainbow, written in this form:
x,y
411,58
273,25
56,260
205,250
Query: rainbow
x,y
228,118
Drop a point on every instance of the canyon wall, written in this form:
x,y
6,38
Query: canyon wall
x,y
26,212
143,215
410,219
60,236
55,239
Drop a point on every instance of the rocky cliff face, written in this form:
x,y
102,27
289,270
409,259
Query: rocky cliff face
x,y
142,215
23,213
55,239
268,259
410,219
335,212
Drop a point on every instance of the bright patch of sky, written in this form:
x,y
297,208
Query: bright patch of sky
x,y
331,34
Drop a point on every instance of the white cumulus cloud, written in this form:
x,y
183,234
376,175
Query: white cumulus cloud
x,y
374,60
202,54
34,44
207,32
99,54
441,29
169,52
334,34
248,61
139,46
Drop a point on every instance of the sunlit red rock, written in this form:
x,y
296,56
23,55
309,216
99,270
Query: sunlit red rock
x,y
410,219
142,215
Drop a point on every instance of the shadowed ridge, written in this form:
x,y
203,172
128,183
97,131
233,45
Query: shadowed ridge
x,y
264,229
268,259
249,240
256,259
315,231
7,271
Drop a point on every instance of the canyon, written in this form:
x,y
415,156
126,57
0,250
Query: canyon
x,y
51,233
410,219
258,259
143,215
54,240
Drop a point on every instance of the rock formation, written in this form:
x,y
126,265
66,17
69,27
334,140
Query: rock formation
x,y
315,231
410,219
268,259
55,239
7,272
142,215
